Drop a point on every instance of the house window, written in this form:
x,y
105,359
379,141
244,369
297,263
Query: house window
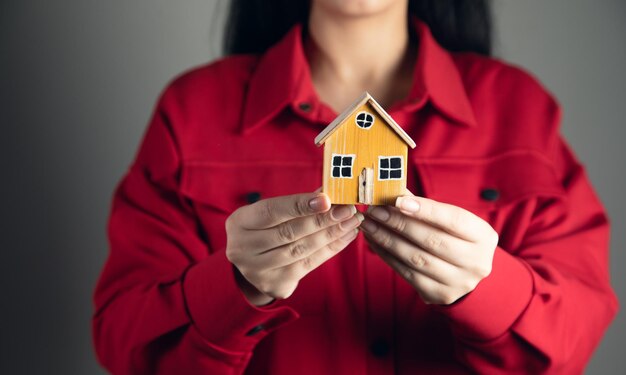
x,y
342,166
364,120
390,167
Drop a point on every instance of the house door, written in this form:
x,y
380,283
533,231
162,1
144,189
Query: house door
x,y
366,186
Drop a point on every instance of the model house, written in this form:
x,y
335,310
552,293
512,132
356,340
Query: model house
x,y
365,155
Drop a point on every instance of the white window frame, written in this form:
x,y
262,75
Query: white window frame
x,y
332,158
367,113
390,169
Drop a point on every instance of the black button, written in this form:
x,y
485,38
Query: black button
x,y
490,195
255,330
305,107
379,348
252,197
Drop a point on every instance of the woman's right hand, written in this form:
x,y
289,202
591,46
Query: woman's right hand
x,y
275,242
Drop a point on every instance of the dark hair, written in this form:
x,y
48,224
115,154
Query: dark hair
x,y
458,25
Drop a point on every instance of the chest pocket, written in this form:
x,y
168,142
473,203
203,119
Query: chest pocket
x,y
502,189
218,189
215,190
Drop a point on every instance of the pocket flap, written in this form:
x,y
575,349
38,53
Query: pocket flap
x,y
489,182
227,186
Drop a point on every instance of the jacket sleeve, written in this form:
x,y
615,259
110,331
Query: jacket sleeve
x,y
546,304
165,303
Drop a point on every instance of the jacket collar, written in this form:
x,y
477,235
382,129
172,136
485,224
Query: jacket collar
x,y
282,79
437,76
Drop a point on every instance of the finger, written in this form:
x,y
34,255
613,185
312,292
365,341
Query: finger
x,y
305,265
428,288
270,212
295,229
298,250
409,254
452,219
424,235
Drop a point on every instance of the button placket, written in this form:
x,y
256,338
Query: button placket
x,y
380,293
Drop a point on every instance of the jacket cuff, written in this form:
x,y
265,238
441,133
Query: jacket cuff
x,y
220,311
495,304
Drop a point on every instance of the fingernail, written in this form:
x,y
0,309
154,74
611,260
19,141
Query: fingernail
x,y
408,204
317,203
350,235
339,213
380,213
369,226
350,223
360,217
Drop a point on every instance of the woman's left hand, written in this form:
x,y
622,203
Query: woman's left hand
x,y
442,250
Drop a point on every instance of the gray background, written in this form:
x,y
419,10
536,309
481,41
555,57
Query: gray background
x,y
79,78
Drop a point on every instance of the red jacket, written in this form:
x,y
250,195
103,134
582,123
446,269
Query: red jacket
x,y
241,128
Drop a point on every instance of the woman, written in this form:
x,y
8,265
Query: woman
x,y
495,261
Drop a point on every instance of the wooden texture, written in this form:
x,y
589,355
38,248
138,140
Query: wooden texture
x,y
366,186
368,145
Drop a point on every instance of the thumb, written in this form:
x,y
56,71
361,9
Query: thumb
x,y
408,192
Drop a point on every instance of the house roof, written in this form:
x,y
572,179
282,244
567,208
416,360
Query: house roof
x,y
365,98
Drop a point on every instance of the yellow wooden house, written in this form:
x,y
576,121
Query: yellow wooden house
x,y
365,155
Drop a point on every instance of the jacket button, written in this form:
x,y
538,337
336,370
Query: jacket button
x,y
379,348
255,330
490,195
253,196
305,107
